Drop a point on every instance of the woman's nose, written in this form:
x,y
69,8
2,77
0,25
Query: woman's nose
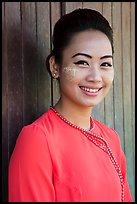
x,y
94,74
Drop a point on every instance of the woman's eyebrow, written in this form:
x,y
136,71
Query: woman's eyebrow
x,y
106,56
84,54
89,56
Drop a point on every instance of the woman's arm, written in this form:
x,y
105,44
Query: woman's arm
x,y
30,168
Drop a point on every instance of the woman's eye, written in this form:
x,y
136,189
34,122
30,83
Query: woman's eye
x,y
82,62
106,65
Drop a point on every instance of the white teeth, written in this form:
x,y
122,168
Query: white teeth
x,y
89,90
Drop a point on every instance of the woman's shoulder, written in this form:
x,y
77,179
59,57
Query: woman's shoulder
x,y
35,130
107,131
102,125
41,122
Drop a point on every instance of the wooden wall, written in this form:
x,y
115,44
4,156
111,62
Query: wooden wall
x,y
28,91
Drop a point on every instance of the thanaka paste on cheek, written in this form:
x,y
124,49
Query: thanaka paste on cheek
x,y
69,73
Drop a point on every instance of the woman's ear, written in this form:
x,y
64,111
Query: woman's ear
x,y
54,67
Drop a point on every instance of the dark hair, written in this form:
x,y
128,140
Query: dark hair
x,y
76,21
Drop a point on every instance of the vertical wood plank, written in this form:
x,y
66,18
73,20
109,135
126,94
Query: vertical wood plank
x,y
118,84
5,138
70,6
132,12
107,11
127,89
133,63
108,101
29,61
93,5
55,15
43,50
15,81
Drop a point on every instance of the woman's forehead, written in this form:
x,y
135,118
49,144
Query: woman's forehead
x,y
90,43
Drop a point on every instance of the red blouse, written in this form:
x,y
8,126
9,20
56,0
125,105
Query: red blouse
x,y
55,161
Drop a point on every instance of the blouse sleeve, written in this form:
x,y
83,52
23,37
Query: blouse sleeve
x,y
30,168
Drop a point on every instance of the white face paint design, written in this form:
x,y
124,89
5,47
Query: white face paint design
x,y
70,73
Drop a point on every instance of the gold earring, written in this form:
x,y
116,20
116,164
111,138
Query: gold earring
x,y
54,75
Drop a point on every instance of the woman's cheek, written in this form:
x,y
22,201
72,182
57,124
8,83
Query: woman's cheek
x,y
70,74
109,76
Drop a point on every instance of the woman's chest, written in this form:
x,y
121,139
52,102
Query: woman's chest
x,y
84,172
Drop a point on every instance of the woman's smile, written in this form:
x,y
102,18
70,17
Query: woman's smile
x,y
90,91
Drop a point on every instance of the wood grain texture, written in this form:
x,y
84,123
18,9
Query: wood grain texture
x,y
14,71
109,100
43,50
70,6
132,30
127,103
118,68
29,61
5,132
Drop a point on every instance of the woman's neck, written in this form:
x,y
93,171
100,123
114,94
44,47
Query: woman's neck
x,y
77,115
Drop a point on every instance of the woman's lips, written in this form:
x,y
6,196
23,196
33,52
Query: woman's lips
x,y
91,91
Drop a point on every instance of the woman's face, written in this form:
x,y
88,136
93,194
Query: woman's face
x,y
86,72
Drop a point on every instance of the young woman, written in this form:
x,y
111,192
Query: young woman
x,y
67,155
